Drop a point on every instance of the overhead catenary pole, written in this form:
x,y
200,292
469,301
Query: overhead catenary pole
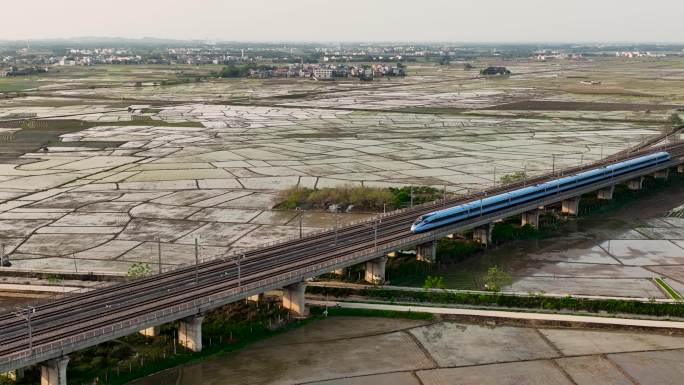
x,y
411,196
196,261
335,227
159,254
375,246
239,271
300,221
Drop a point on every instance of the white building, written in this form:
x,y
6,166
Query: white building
x,y
323,73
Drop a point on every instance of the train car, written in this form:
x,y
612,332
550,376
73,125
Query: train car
x,y
512,198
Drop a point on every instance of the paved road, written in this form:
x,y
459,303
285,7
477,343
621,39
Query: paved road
x,y
508,314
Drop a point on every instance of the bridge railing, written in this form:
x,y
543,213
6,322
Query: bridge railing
x,y
74,342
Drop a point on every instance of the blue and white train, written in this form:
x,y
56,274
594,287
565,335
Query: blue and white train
x,y
512,198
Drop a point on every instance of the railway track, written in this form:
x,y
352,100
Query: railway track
x,y
101,307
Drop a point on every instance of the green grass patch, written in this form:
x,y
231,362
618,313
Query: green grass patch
x,y
17,84
670,291
74,124
151,110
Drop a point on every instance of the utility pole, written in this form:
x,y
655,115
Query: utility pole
x,y
494,177
553,164
524,174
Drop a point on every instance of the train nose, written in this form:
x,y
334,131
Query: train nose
x,y
413,228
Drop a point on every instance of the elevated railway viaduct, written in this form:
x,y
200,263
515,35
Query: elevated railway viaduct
x,y
82,320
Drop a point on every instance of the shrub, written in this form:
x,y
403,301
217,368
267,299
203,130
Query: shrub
x,y
495,279
139,270
433,282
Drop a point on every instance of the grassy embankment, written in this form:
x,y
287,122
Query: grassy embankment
x,y
499,300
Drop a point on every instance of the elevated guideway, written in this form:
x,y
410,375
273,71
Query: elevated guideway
x,y
82,320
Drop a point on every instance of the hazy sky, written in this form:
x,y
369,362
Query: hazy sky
x,y
350,20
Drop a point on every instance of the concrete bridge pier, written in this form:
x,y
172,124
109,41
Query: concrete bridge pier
x,y
636,184
483,234
606,194
256,297
53,372
427,252
190,333
151,331
530,218
662,174
293,299
375,270
341,271
570,206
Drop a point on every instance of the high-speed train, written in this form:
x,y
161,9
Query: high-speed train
x,y
512,198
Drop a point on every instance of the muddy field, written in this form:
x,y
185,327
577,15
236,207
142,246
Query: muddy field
x,y
355,351
551,105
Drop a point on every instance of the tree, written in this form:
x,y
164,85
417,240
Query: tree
x,y
495,279
444,60
139,270
675,119
512,178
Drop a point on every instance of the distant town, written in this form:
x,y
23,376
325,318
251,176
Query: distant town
x,y
316,61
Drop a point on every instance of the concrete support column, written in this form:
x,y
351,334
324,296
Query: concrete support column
x,y
375,270
606,194
341,271
570,206
256,297
530,218
636,184
662,174
483,234
190,333
151,331
53,372
293,299
427,252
